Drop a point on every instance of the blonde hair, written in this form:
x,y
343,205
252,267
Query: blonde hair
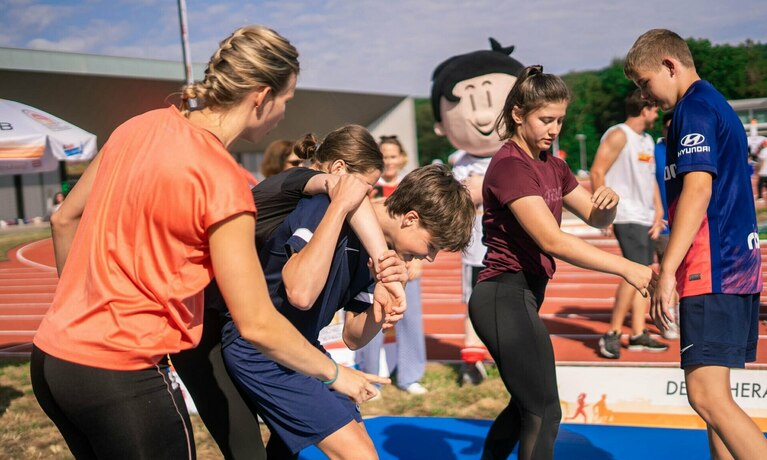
x,y
252,56
533,90
650,48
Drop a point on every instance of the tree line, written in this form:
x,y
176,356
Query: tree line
x,y
737,71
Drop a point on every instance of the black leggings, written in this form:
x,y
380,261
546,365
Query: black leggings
x,y
228,415
106,414
504,312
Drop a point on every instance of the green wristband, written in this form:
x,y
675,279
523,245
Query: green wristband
x,y
335,377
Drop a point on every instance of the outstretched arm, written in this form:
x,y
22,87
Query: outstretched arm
x,y
537,220
65,220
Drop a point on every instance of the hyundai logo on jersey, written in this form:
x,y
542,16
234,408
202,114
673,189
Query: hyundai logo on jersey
x,y
691,144
691,140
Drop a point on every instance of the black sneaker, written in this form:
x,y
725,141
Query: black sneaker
x,y
644,342
610,345
473,373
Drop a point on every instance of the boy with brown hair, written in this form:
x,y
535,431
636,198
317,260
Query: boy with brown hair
x,y
713,256
314,265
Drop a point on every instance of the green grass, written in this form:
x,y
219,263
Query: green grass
x,y
10,239
27,433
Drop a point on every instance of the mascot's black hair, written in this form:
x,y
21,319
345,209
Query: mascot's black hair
x,y
470,65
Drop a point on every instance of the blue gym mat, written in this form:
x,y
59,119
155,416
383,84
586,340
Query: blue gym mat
x,y
415,438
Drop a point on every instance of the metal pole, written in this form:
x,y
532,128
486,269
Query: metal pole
x,y
18,188
582,142
185,41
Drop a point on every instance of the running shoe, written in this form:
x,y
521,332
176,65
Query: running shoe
x,y
416,388
473,373
643,342
610,345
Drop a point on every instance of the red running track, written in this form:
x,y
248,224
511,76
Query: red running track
x,y
576,310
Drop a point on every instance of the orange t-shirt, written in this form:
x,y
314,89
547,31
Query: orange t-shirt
x,y
131,290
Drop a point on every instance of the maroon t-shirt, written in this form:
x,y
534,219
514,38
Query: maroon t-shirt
x,y
511,175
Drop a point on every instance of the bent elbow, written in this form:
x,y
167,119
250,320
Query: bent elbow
x,y
261,334
58,221
552,244
352,343
547,245
299,299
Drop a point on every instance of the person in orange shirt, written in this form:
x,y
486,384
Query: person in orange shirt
x,y
160,211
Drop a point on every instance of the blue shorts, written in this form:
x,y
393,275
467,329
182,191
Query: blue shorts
x,y
300,409
719,329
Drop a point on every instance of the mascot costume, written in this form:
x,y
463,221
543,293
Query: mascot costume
x,y
467,96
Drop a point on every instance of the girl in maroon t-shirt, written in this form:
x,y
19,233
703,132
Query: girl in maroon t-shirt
x,y
524,191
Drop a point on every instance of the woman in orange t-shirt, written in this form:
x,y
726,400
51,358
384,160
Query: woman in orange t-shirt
x,y
160,211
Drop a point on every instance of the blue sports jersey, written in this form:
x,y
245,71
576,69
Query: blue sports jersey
x,y
706,135
349,284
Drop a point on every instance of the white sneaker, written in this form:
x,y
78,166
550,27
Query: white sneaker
x,y
416,389
672,333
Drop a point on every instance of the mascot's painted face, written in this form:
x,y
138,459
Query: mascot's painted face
x,y
469,123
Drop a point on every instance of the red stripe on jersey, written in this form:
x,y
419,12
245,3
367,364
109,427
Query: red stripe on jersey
x,y
693,277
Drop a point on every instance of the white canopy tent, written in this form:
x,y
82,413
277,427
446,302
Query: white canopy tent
x,y
32,140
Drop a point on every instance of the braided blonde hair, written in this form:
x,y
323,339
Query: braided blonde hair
x,y
252,56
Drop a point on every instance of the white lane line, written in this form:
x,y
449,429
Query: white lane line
x,y
25,261
564,336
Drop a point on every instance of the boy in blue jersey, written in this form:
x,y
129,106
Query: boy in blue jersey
x,y
314,265
713,257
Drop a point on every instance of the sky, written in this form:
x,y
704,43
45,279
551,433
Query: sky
x,y
379,46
